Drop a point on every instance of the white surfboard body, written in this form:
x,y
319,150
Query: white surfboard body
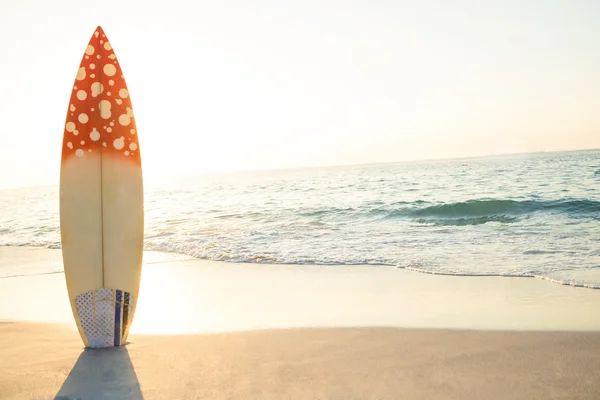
x,y
101,199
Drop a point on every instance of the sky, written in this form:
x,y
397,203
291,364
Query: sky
x,y
244,85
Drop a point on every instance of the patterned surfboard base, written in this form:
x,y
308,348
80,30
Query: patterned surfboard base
x,y
105,314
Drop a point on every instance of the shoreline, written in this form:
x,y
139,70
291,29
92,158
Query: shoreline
x,y
237,297
184,257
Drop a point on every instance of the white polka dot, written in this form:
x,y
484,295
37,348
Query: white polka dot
x,y
87,57
92,75
98,56
108,93
118,101
72,107
104,144
95,135
119,143
96,33
92,66
133,146
102,41
80,74
83,118
111,82
109,70
74,87
70,126
92,109
82,142
123,93
130,112
79,153
124,119
89,50
112,123
75,132
97,88
126,153
70,145
109,129
132,131
81,95
107,46
112,57
104,107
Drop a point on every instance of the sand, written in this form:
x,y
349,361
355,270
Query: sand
x,y
209,330
46,361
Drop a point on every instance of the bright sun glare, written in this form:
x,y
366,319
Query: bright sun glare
x,y
256,87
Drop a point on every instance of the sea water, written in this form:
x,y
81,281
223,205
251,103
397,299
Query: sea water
x,y
530,215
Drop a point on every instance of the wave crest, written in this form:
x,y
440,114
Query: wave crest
x,y
475,212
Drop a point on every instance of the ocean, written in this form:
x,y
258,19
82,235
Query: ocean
x,y
527,215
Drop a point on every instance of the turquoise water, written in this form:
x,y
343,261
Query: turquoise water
x,y
522,215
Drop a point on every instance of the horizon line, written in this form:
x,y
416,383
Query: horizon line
x,y
265,170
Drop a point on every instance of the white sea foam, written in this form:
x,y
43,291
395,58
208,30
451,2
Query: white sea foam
x,y
522,216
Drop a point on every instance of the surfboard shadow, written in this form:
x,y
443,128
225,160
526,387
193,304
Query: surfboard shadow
x,y
105,373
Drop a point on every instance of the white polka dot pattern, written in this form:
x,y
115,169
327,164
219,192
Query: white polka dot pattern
x,y
100,107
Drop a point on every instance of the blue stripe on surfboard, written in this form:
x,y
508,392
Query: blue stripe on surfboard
x,y
118,305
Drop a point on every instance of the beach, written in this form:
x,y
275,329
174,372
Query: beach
x,y
216,330
333,200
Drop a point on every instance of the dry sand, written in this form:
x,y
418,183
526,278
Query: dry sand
x,y
46,361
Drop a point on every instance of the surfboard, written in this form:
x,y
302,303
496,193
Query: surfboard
x,y
101,199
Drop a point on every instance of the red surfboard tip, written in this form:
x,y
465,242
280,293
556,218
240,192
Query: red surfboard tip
x,y
98,34
100,118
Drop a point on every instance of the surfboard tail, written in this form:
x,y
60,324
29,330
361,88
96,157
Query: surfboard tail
x,y
105,315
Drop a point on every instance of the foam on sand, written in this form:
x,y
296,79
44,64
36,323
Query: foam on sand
x,y
182,295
